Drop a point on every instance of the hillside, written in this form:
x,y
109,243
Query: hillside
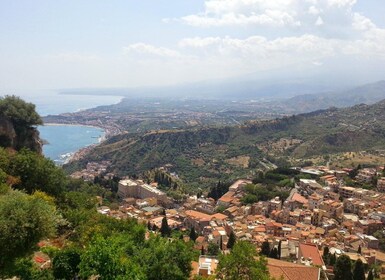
x,y
367,94
206,155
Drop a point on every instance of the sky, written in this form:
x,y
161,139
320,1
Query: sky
x,y
59,44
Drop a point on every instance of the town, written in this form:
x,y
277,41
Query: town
x,y
321,219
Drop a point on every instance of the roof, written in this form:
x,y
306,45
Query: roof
x,y
291,271
299,198
311,251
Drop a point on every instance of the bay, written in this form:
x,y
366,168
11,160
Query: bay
x,y
64,140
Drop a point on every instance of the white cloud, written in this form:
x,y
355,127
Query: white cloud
x,y
146,49
319,21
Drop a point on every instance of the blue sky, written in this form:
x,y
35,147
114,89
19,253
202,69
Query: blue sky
x,y
116,43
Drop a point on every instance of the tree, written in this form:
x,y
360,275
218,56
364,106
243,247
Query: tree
x,y
202,250
343,268
107,258
65,264
242,264
165,230
358,270
24,221
274,253
19,111
231,241
265,249
370,275
279,249
326,255
221,243
332,259
359,250
193,235
164,260
213,249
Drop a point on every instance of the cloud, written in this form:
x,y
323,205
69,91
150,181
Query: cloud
x,y
146,49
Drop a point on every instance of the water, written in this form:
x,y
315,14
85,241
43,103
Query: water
x,y
65,140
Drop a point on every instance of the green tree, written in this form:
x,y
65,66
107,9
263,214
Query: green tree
x,y
213,249
326,255
193,235
19,111
370,275
106,257
358,270
242,264
273,253
279,249
164,260
65,264
165,230
24,221
36,173
231,241
332,259
343,268
265,249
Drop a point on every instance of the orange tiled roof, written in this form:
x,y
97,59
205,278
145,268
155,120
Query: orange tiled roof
x,y
291,271
311,250
299,198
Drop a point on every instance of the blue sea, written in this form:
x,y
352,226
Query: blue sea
x,y
64,140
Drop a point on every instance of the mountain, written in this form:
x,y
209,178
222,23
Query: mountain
x,y
367,94
209,154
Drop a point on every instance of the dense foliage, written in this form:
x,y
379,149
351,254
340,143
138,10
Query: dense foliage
x,y
242,263
18,111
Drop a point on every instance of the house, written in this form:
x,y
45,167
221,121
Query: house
x,y
291,271
309,254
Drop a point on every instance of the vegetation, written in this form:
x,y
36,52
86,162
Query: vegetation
x,y
19,112
343,268
242,263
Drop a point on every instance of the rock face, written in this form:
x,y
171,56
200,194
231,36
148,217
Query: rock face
x,y
17,137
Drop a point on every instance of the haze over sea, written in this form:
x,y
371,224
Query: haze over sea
x,y
64,140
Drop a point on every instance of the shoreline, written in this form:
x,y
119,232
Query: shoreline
x,y
79,153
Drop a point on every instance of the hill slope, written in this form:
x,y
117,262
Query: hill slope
x,y
220,153
367,94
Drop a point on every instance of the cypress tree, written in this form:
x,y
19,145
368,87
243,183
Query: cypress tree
x,y
221,244
343,268
359,250
370,275
273,253
231,242
358,271
332,259
265,249
202,250
165,229
279,249
193,235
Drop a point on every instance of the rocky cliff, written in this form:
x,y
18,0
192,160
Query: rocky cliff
x,y
16,136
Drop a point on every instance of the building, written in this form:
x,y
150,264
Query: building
x,y
346,192
309,254
291,271
137,189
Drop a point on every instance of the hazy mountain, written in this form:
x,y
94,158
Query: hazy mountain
x,y
366,94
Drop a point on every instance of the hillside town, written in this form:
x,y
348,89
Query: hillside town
x,y
319,215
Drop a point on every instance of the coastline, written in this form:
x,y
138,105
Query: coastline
x,y
81,152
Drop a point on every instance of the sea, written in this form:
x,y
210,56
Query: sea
x,y
64,140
